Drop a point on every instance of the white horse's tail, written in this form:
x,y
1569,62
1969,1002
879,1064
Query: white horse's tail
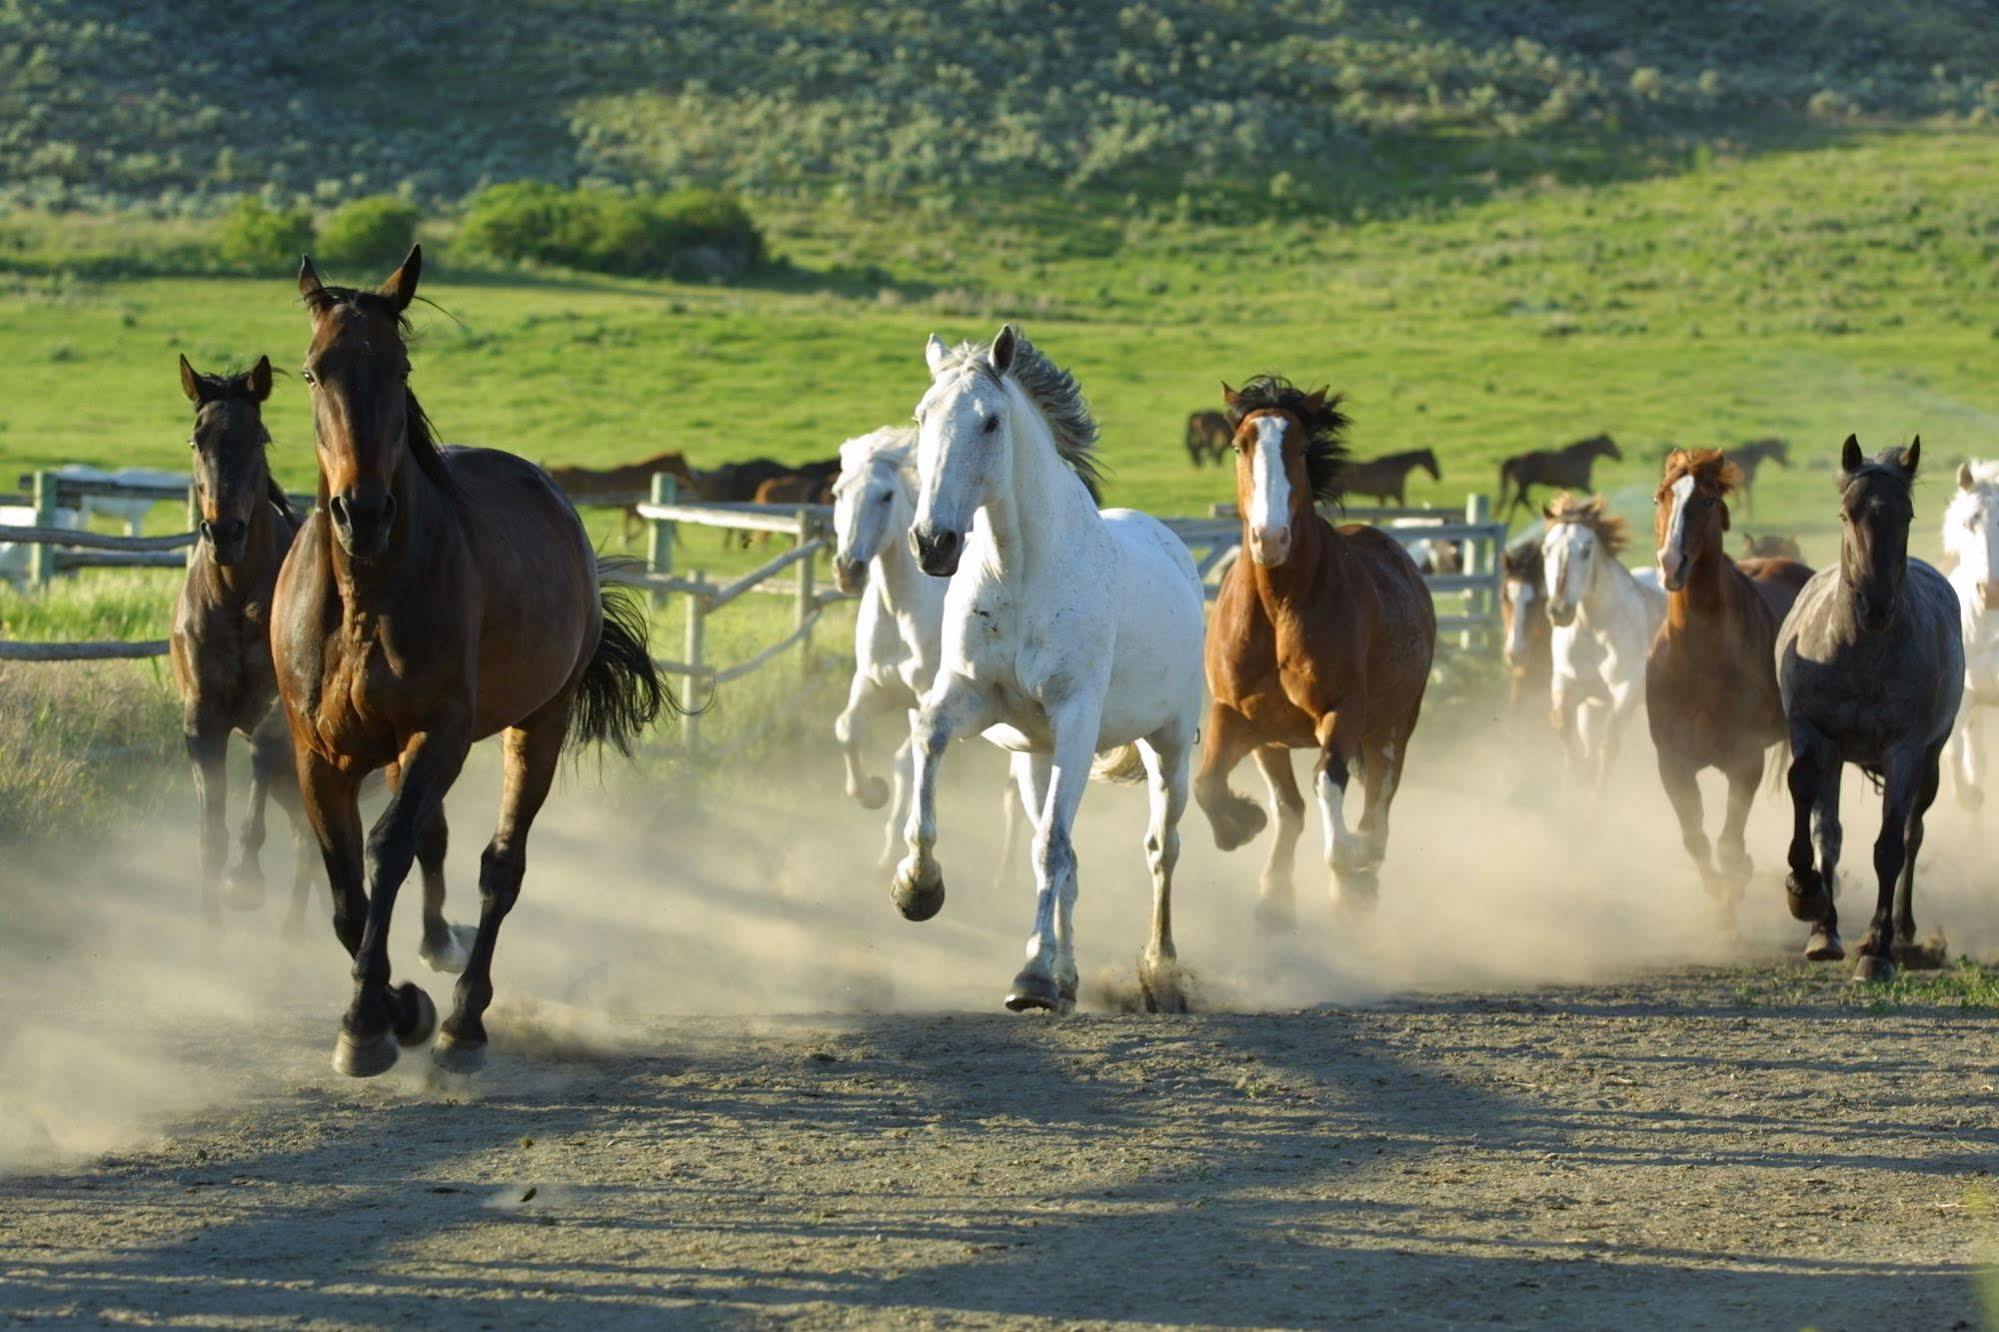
x,y
1777,769
1123,765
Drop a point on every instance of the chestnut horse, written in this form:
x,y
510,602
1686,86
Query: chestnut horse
x,y
1565,468
1710,682
435,597
1321,639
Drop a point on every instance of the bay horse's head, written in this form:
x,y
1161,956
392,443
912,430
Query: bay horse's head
x,y
1290,451
231,475
1875,510
1971,531
1690,511
366,422
874,501
1581,536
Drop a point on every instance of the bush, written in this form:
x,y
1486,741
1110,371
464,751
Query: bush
x,y
690,233
376,230
254,235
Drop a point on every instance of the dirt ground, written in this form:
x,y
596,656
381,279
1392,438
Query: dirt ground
x,y
730,1086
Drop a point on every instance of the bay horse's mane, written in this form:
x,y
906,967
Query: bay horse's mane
x,y
1710,468
421,436
1054,393
1325,427
1593,513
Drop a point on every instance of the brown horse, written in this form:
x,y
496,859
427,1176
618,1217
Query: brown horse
x,y
221,642
581,483
1748,457
1565,468
1207,437
1711,678
1768,547
1322,639
434,598
1523,601
1387,477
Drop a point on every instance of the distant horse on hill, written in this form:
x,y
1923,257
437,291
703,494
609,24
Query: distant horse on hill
x,y
1207,437
1386,478
586,483
1566,468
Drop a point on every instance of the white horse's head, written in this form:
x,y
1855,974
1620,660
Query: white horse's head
x,y
1971,531
873,501
1582,536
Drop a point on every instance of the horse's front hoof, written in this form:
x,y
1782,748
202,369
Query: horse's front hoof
x,y
1159,985
873,793
418,1015
1805,893
363,1056
1356,892
1274,916
1928,955
1824,945
1236,823
1032,990
917,896
456,1057
243,889
1873,969
452,953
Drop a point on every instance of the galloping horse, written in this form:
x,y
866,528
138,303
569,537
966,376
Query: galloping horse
x,y
1752,455
1971,537
1067,633
1710,691
435,597
1568,467
625,478
1522,597
1322,639
1871,666
1604,618
221,643
1207,437
1387,477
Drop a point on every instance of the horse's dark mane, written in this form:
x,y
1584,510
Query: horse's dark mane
x,y
1325,427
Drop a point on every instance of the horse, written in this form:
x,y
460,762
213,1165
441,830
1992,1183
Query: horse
x,y
16,556
128,510
795,488
1207,437
581,483
739,483
1753,454
1322,640
1971,537
1387,478
1069,633
1527,652
1870,664
1710,690
434,597
220,646
1771,546
1568,467
1604,620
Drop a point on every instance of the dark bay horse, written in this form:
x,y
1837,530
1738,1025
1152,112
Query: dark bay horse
x,y
1565,468
1752,455
580,483
1321,639
1870,663
1207,437
1710,686
434,598
1387,478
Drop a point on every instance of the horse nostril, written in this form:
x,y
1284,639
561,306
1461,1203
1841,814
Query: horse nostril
x,y
339,510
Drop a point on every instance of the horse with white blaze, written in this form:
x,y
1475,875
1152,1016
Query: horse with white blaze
x,y
1068,633
1971,538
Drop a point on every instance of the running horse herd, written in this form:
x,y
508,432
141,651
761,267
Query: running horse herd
x,y
436,595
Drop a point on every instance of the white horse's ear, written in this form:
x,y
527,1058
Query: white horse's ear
x,y
1911,454
1964,476
1005,343
1850,457
934,352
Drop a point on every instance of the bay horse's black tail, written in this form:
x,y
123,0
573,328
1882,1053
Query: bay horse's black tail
x,y
622,693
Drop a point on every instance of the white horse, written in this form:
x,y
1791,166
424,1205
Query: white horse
x,y
1069,633
1605,618
129,511
14,555
1971,537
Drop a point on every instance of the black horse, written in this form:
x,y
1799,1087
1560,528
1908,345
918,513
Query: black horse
x,y
1748,457
1564,469
1387,477
1208,437
1870,664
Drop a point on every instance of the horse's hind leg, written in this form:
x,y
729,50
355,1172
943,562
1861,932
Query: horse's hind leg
x,y
1968,750
1907,951
270,760
207,742
1733,863
445,946
1020,806
1166,762
871,792
531,753
1346,853
1683,790
1275,909
1381,775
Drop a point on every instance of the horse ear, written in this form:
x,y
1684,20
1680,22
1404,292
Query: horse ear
x,y
1850,457
1911,454
260,378
1005,343
190,382
1315,401
934,352
1964,476
400,286
1229,396
309,284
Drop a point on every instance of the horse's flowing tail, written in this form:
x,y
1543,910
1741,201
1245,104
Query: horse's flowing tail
x,y
622,693
1123,765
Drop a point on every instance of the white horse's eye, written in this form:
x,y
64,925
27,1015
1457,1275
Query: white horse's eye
x,y
886,498
992,424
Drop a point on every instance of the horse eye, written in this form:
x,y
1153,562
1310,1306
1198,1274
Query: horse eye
x,y
306,375
886,498
992,424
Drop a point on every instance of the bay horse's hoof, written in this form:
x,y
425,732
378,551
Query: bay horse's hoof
x,y
1824,945
1805,893
363,1056
419,1016
243,889
1031,990
873,793
450,954
1873,969
1236,823
1926,956
917,897
459,1058
1159,986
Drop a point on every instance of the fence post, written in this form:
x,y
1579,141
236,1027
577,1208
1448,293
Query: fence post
x,y
41,555
1478,509
659,544
805,593
697,628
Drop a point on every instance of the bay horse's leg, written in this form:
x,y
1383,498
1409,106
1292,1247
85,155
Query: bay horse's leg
x,y
1234,818
445,947
270,761
1907,952
1167,757
331,799
428,765
862,698
1901,786
1346,853
1682,782
1048,980
1809,889
1276,893
530,754
207,740
953,707
1732,860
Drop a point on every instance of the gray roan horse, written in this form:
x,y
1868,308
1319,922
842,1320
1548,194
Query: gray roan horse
x,y
1871,666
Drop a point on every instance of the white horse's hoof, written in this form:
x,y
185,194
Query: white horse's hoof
x,y
1031,990
451,955
917,896
873,793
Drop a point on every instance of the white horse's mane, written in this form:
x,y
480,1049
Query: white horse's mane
x,y
1054,393
893,445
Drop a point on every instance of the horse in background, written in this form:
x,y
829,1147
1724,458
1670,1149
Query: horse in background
x,y
1322,639
1752,455
1523,616
1870,663
128,510
1604,620
434,597
1566,468
1068,633
1771,546
1710,688
1207,437
588,483
1386,478
1971,539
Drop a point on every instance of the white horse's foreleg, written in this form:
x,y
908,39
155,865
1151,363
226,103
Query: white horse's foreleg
x,y
898,805
1166,763
954,706
1049,978
872,792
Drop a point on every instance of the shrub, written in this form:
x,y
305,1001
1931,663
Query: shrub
x,y
254,235
692,233
376,230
